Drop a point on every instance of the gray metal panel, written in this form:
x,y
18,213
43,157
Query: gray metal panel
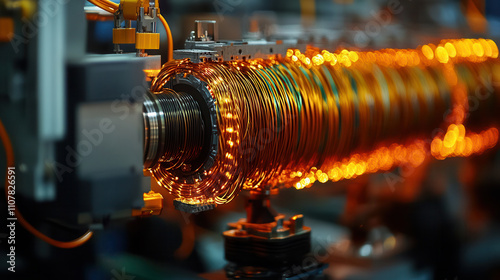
x,y
109,146
112,196
110,77
195,55
237,50
109,142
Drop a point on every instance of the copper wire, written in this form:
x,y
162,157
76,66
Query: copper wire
x,y
174,129
329,116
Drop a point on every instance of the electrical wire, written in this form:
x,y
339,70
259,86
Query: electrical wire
x,y
111,8
170,46
7,144
103,6
321,116
110,4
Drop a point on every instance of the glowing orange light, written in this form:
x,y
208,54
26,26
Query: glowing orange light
x,y
486,47
417,157
442,58
328,56
401,59
353,56
318,59
451,136
323,178
457,142
151,72
460,47
427,52
442,55
478,49
450,49
494,48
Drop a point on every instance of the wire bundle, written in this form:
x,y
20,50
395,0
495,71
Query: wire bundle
x,y
173,132
331,116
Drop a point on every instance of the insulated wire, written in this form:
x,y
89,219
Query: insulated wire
x,y
103,6
320,116
170,46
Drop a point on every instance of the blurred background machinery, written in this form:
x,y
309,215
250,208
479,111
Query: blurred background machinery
x,y
358,135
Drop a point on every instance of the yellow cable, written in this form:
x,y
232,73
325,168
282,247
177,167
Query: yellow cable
x,y
110,4
170,53
10,162
101,5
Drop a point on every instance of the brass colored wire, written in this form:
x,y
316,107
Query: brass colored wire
x,y
330,116
183,131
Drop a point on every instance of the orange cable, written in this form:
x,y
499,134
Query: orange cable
x,y
7,144
170,53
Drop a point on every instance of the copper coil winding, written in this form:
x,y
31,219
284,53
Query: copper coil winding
x,y
173,129
330,116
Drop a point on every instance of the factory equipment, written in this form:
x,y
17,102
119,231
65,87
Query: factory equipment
x,y
323,116
86,132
